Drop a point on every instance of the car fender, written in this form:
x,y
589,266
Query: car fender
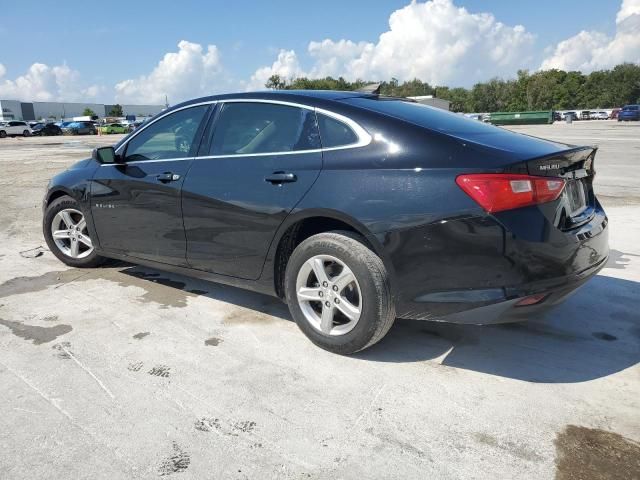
x,y
299,214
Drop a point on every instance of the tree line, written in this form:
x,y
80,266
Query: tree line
x,y
542,90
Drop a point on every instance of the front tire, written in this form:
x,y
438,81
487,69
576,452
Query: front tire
x,y
66,233
25,133
339,293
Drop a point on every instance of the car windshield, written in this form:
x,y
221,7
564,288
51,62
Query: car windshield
x,y
630,108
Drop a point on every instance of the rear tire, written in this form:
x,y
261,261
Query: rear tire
x,y
73,246
3,134
354,309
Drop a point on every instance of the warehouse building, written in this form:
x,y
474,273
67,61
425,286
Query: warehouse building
x,y
16,110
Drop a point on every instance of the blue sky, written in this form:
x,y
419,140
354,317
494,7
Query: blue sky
x,y
101,46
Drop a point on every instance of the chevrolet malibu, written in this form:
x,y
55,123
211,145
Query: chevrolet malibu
x,y
352,207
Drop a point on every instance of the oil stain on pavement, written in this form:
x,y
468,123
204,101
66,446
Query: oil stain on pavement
x,y
591,454
37,335
213,342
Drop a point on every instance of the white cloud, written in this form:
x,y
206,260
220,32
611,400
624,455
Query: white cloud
x,y
286,65
627,9
331,57
588,51
187,73
435,41
44,83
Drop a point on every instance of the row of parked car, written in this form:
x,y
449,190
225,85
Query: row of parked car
x,y
626,113
21,128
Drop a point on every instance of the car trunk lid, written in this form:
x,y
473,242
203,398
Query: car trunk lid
x,y
576,205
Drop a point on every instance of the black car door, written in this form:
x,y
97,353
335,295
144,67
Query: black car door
x,y
260,159
136,205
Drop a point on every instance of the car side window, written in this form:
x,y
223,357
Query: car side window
x,y
335,133
172,136
245,128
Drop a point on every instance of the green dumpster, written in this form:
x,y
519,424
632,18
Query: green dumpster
x,y
521,118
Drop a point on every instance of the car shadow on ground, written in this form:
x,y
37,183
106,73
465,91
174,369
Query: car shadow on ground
x,y
594,333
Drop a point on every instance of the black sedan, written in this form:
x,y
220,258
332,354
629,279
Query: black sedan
x,y
46,129
354,208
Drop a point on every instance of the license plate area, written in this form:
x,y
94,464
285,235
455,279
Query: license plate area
x,y
576,194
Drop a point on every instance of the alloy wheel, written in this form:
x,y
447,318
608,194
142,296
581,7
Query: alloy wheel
x,y
70,234
329,295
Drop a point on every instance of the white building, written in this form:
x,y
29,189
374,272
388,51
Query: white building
x,y
16,110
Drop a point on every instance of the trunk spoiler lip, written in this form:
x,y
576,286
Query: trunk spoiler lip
x,y
563,163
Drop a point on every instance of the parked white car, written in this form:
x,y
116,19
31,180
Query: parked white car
x,y
15,127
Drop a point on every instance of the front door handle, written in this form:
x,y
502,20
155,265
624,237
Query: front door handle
x,y
281,177
167,177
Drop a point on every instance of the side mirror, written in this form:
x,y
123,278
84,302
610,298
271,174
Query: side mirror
x,y
105,155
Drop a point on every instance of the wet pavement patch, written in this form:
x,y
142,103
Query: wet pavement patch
x,y
141,335
240,317
19,285
38,335
591,454
161,290
213,341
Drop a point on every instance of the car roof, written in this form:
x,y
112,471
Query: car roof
x,y
282,95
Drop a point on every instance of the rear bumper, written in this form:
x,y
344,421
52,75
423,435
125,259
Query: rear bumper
x,y
474,270
556,291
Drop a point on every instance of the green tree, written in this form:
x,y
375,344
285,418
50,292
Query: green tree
x,y
116,111
88,113
541,90
275,82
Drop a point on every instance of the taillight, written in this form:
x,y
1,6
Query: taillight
x,y
496,192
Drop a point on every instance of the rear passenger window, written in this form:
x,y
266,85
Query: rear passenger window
x,y
334,133
245,128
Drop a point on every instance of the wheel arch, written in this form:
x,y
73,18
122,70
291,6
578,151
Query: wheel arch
x,y
300,226
56,193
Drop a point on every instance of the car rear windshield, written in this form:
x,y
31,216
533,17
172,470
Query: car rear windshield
x,y
424,116
631,107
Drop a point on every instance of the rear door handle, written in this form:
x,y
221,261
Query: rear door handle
x,y
281,177
167,177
